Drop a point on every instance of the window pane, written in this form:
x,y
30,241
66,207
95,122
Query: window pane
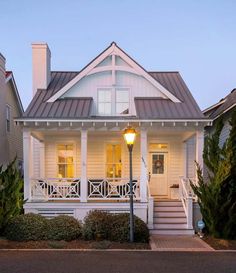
x,y
117,153
104,95
158,164
70,171
61,170
122,108
122,95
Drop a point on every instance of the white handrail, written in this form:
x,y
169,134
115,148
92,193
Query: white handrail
x,y
186,196
150,206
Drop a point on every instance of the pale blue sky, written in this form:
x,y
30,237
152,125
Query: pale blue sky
x,y
195,37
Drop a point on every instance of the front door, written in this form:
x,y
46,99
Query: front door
x,y
158,173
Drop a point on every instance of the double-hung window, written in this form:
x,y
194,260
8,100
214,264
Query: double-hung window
x,y
8,118
105,101
65,160
113,161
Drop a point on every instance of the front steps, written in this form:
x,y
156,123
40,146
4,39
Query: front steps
x,y
169,218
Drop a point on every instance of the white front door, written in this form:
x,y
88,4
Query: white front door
x,y
158,173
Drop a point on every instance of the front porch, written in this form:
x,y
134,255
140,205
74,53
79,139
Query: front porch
x,y
70,169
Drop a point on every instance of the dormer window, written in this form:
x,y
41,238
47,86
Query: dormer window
x,y
104,101
113,101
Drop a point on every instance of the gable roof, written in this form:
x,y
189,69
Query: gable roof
x,y
113,49
10,77
223,106
147,108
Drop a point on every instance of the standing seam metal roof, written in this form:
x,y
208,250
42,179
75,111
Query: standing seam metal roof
x,y
147,108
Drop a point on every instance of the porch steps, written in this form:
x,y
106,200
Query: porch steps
x,y
169,218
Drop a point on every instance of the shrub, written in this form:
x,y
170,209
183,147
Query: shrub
x,y
97,225
217,192
11,193
120,229
27,227
64,227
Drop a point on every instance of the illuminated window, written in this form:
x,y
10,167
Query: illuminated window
x,y
65,160
122,101
104,102
113,161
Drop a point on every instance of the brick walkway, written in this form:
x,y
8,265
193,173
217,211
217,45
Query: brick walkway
x,y
178,243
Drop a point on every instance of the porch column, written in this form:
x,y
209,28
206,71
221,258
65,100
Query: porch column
x,y
143,173
185,158
199,147
84,180
27,150
42,159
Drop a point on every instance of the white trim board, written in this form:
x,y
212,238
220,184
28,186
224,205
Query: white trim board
x,y
113,49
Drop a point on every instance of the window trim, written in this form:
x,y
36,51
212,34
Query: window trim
x,y
8,121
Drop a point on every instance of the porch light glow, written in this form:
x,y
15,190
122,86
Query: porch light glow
x,y
129,135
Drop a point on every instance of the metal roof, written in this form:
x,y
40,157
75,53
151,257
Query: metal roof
x,y
222,106
147,108
62,108
160,108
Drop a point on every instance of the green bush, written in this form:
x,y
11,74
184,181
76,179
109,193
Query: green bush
x,y
97,225
120,229
64,227
11,194
27,227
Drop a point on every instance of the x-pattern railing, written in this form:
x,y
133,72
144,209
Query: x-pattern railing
x,y
111,189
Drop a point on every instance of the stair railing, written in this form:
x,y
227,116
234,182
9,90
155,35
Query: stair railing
x,y
186,197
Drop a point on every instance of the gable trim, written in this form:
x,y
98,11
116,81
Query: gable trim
x,y
111,50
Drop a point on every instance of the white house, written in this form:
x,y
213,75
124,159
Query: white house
x,y
75,155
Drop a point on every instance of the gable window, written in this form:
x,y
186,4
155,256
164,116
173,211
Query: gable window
x,y
113,161
8,116
104,102
122,101
65,160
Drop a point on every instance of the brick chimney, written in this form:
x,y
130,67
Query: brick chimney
x,y
41,62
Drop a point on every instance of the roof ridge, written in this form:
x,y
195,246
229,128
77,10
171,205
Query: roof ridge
x,y
163,72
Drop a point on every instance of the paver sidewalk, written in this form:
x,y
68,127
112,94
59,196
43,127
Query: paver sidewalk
x,y
178,243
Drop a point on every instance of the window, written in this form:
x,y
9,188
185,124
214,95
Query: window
x,y
122,101
113,161
158,164
104,101
8,121
113,101
65,160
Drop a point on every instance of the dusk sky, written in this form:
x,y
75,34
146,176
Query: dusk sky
x,y
195,37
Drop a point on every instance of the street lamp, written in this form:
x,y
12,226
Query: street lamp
x,y
129,135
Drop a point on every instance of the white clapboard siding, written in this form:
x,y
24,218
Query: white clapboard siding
x,y
35,157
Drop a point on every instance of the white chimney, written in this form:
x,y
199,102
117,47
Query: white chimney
x,y
41,62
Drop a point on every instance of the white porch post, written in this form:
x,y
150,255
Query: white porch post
x,y
185,159
199,147
27,150
143,175
42,159
84,180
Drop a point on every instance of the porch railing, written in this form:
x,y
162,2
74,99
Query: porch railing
x,y
55,189
112,189
70,188
186,196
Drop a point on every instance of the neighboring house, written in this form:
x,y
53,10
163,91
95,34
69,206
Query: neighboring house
x,y
222,109
75,155
11,136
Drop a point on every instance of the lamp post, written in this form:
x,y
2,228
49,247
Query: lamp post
x,y
129,135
